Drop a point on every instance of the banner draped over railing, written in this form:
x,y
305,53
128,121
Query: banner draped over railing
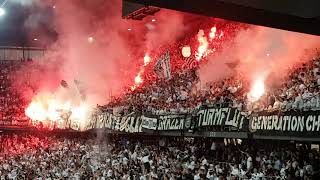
x,y
290,123
229,117
264,123
221,117
130,124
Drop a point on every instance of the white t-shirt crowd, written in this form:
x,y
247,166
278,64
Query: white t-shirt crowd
x,y
33,157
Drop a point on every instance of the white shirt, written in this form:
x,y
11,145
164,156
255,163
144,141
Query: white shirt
x,y
257,176
197,177
145,159
235,171
204,162
213,146
283,172
125,160
302,87
134,156
277,164
249,162
276,105
298,103
210,177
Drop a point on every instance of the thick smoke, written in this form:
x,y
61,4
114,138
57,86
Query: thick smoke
x,y
168,30
260,52
104,63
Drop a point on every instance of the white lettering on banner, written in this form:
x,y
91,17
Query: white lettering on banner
x,y
253,124
220,117
316,123
171,123
310,119
227,122
124,123
100,120
236,120
130,124
92,122
212,117
108,120
104,120
116,125
269,124
297,123
135,126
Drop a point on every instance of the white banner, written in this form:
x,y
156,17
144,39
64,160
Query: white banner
x,y
149,123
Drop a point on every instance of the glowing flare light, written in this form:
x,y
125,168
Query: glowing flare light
x,y
138,80
146,59
47,109
186,51
212,34
203,45
36,111
90,39
257,90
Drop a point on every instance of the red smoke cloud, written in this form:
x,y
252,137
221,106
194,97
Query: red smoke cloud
x,y
260,52
113,59
110,61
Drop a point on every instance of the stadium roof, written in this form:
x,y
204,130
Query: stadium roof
x,y
19,28
293,15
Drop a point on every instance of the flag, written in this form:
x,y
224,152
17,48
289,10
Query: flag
x,y
157,68
80,89
166,65
162,67
189,63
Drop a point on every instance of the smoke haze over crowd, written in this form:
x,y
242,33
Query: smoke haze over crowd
x,y
104,52
260,52
104,64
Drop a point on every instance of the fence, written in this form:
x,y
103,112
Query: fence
x,y
19,53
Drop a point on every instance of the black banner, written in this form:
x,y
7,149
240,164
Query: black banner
x,y
226,117
291,123
229,117
305,124
171,122
130,123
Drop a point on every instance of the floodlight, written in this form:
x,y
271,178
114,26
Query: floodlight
x,y
2,12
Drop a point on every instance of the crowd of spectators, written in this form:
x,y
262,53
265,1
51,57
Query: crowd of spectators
x,y
181,93
11,104
300,91
160,96
43,157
